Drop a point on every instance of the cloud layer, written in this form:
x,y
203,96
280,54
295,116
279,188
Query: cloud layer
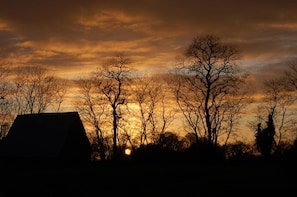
x,y
67,36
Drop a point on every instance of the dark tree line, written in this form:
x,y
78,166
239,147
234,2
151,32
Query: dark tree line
x,y
206,91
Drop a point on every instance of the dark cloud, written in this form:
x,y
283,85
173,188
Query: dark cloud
x,y
65,34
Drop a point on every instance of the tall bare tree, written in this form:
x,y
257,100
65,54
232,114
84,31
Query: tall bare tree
x,y
92,110
111,81
151,97
142,87
207,80
188,103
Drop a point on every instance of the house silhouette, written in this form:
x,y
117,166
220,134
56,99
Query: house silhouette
x,y
47,136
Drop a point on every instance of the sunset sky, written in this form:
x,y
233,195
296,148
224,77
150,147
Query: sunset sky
x,y
73,37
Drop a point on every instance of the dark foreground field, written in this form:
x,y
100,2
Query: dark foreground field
x,y
157,179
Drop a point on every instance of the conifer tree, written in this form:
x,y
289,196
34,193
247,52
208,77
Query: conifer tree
x,y
265,138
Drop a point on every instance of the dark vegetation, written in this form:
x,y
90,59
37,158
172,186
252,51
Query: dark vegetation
x,y
154,170
206,90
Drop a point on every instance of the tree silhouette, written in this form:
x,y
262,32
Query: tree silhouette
x,y
35,90
153,111
6,108
278,99
110,81
92,110
206,85
265,138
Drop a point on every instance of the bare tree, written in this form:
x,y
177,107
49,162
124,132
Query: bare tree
x,y
151,98
278,98
35,89
234,107
291,75
290,78
60,91
6,107
142,87
208,79
4,72
92,109
188,103
111,79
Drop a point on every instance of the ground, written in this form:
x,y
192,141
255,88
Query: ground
x,y
149,179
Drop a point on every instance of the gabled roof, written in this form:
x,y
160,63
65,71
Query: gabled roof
x,y
46,135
